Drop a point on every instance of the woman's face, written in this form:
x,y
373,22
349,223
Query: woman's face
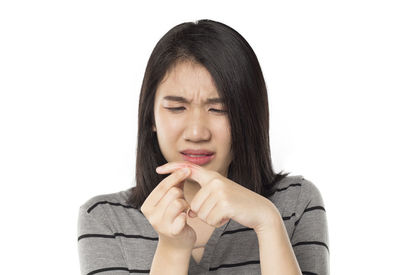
x,y
197,123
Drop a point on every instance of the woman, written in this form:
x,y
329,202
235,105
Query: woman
x,y
206,198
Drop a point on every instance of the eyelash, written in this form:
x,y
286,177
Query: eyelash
x,y
177,109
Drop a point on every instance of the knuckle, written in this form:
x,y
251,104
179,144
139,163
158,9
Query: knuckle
x,y
202,216
215,181
210,222
195,206
224,203
175,191
178,204
219,185
184,202
163,189
181,172
178,172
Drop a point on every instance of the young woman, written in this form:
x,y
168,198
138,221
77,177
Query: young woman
x,y
206,200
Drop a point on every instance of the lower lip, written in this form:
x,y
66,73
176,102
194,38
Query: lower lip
x,y
198,160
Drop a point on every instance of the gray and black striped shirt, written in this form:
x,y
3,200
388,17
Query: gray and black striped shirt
x,y
114,238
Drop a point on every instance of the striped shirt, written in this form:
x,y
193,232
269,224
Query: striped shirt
x,y
115,238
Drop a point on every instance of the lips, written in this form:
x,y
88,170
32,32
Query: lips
x,y
197,152
199,157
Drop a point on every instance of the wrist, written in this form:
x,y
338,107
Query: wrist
x,y
272,221
170,260
173,252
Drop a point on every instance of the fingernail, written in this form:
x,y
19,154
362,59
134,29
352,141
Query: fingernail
x,y
192,214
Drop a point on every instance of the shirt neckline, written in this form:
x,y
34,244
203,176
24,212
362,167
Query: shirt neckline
x,y
210,247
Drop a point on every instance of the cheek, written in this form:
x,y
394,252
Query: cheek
x,y
167,136
167,128
225,129
223,136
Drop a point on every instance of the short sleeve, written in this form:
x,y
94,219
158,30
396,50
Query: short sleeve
x,y
310,240
99,250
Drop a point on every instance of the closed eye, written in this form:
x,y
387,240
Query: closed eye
x,y
177,109
218,111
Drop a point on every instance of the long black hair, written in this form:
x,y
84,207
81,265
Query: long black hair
x,y
240,83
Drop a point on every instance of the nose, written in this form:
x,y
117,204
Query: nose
x,y
197,129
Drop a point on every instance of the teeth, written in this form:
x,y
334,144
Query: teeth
x,y
196,155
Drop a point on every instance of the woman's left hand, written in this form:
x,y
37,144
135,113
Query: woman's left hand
x,y
221,199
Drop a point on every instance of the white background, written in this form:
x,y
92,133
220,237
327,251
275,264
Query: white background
x,y
70,76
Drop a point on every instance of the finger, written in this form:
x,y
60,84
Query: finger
x,y
179,163
162,188
198,173
169,167
206,208
216,218
178,224
190,213
199,199
172,194
174,209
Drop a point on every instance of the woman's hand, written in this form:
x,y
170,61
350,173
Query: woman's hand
x,y
165,209
221,199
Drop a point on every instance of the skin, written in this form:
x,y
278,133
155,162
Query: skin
x,y
221,199
197,125
213,198
210,194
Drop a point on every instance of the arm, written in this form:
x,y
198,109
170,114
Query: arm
x,y
310,239
276,253
307,251
170,261
98,252
165,209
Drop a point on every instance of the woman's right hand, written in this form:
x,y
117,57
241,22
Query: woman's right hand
x,y
165,209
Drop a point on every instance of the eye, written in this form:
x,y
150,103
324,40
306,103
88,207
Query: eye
x,y
218,111
176,109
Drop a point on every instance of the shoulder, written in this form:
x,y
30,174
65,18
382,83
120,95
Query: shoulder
x,y
110,213
295,193
107,208
309,193
113,199
297,186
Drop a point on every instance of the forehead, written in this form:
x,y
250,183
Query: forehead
x,y
189,80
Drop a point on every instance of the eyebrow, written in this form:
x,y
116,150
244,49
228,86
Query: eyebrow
x,y
184,100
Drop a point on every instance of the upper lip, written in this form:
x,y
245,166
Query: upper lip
x,y
197,152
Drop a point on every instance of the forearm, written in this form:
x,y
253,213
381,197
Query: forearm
x,y
276,253
168,261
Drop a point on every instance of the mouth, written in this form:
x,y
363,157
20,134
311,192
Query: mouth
x,y
199,159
